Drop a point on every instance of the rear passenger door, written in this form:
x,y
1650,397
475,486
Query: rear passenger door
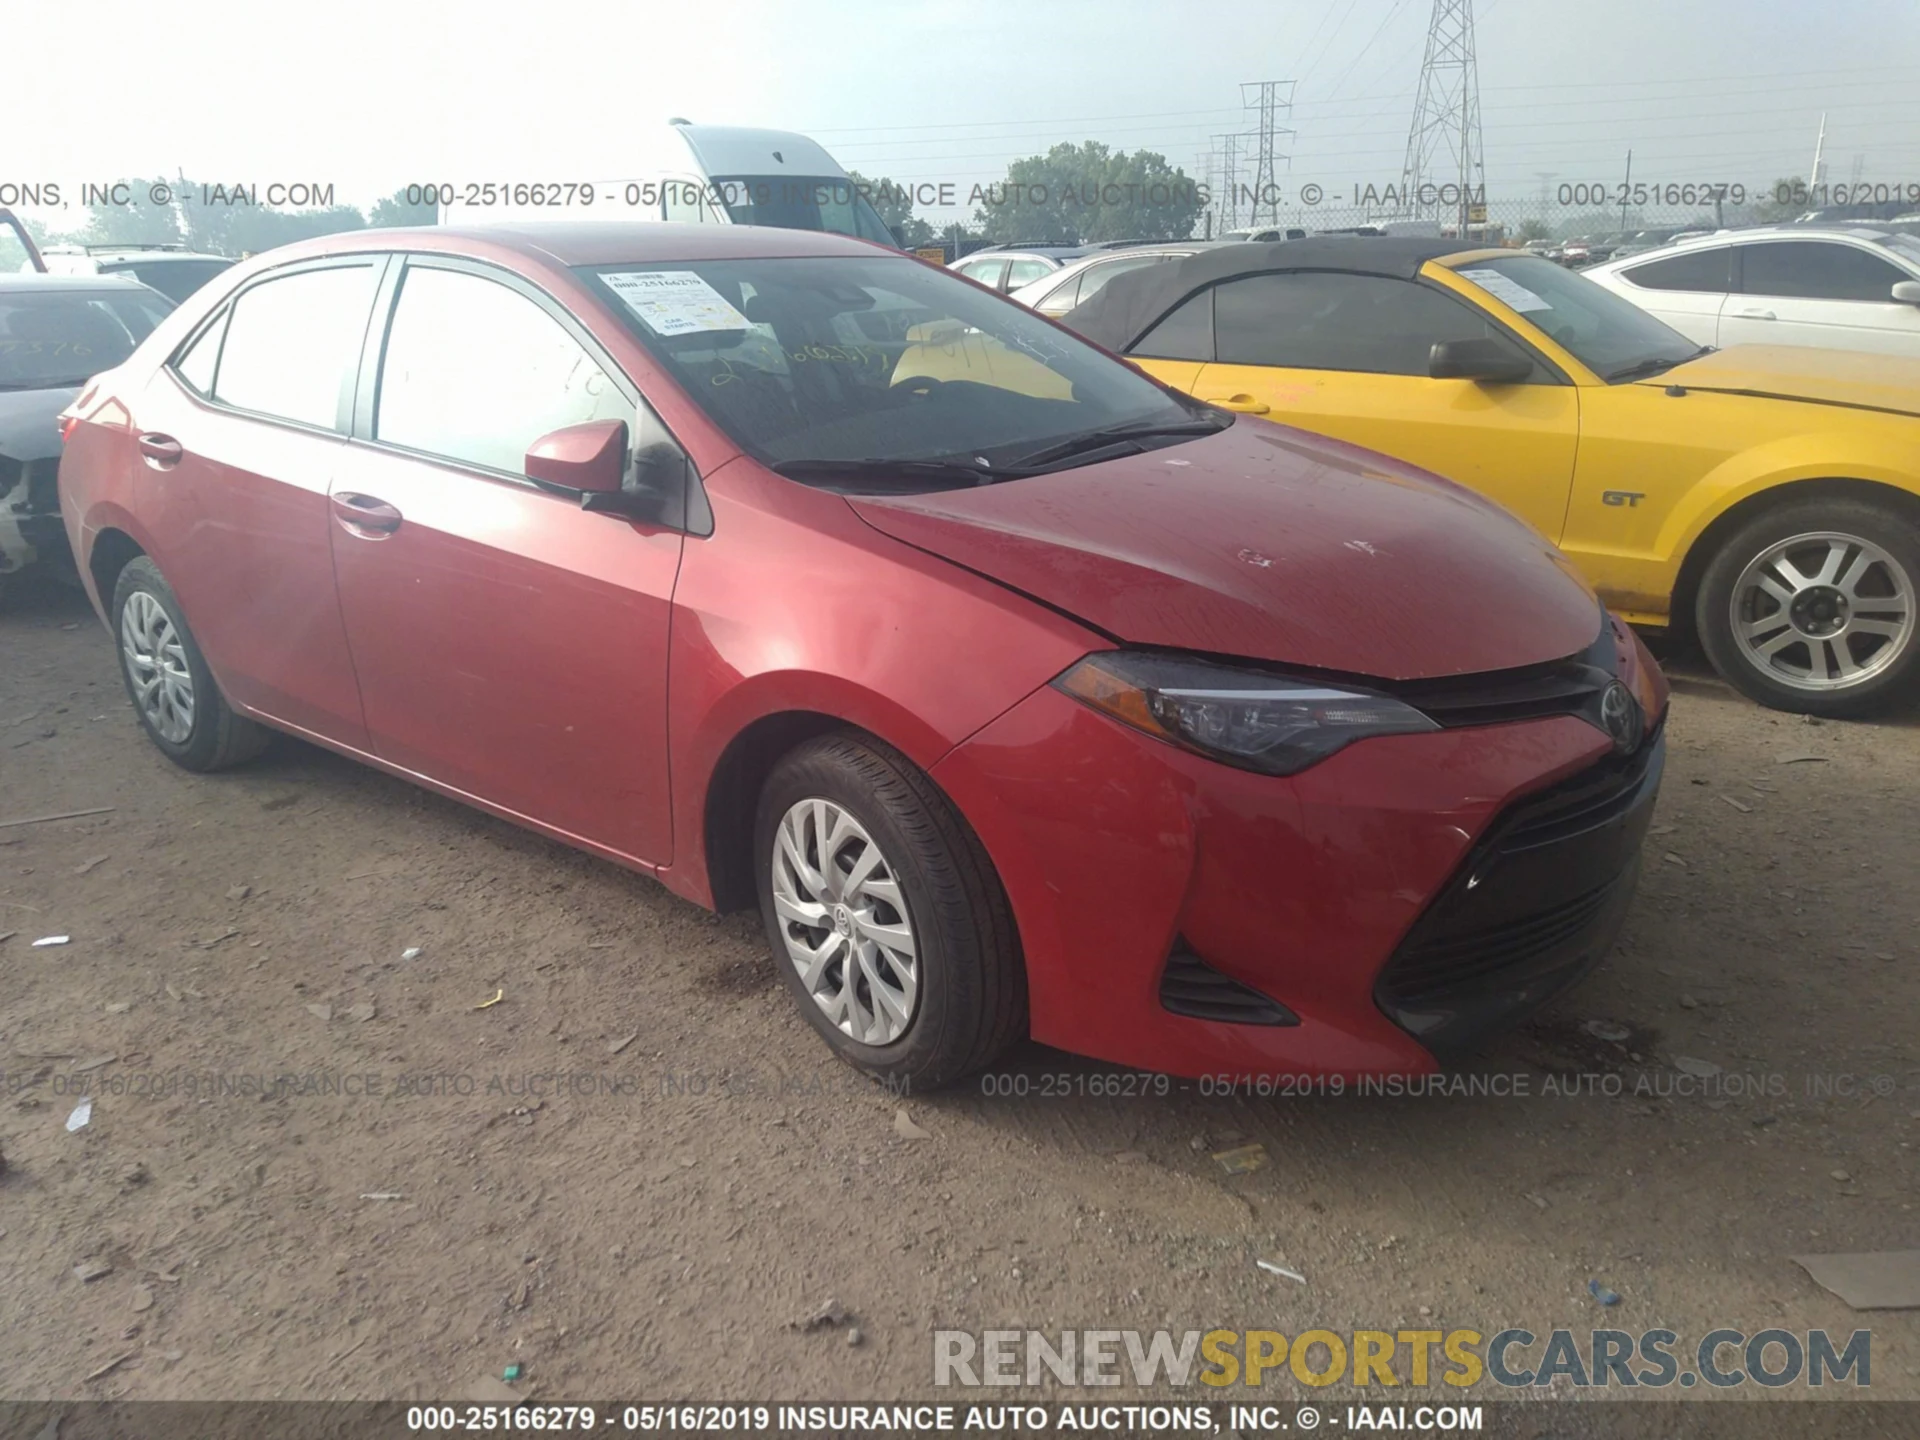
x,y
238,437
510,645
1819,292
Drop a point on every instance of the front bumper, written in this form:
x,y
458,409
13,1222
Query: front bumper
x,y
1335,893
1537,903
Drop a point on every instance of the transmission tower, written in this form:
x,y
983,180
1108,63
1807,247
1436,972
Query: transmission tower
x,y
1445,172
1270,98
1229,201
1206,164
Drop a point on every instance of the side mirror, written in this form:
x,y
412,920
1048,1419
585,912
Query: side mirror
x,y
1490,361
589,458
1907,292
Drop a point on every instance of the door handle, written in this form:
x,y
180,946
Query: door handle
x,y
1243,404
1758,315
162,452
365,516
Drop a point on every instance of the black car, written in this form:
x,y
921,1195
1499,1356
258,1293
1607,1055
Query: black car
x,y
55,332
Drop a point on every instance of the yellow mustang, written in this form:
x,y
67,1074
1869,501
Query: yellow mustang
x,y
1767,499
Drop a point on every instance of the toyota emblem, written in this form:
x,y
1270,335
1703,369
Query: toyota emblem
x,y
1620,717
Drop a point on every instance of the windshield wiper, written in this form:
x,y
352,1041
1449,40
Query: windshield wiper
x,y
910,473
1113,435
1653,365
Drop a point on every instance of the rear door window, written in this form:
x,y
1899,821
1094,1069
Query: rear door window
x,y
293,345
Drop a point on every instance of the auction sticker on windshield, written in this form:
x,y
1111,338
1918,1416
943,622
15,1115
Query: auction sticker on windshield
x,y
675,302
1507,292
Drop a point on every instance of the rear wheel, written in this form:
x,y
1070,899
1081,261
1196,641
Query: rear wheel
x,y
884,914
1812,608
173,692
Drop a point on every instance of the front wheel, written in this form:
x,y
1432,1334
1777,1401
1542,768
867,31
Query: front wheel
x,y
1811,608
173,692
884,914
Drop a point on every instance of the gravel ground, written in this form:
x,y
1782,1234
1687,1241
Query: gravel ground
x,y
710,1178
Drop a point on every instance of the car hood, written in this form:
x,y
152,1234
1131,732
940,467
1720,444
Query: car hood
x,y
27,430
1803,372
1271,544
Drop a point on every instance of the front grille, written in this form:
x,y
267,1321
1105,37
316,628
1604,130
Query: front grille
x,y
1561,687
1590,799
1189,986
1536,904
1426,972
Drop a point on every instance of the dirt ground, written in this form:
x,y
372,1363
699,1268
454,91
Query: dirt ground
x,y
706,1177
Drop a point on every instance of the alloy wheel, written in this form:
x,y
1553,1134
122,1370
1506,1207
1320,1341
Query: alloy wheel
x,y
156,661
1823,611
845,922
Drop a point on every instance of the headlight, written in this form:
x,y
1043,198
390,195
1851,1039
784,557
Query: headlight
x,y
1240,717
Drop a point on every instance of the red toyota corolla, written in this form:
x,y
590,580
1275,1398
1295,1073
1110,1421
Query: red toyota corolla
x,y
1023,695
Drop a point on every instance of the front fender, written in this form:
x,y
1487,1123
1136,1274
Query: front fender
x,y
1826,454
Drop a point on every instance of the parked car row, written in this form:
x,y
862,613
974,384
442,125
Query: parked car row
x,y
1022,692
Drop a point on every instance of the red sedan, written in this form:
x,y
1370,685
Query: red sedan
x,y
1024,695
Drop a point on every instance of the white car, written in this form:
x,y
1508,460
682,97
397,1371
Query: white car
x,y
1844,287
689,174
1072,284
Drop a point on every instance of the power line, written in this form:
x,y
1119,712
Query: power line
x,y
1385,20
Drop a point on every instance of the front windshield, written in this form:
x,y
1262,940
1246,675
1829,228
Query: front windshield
x,y
58,337
802,202
863,359
1612,337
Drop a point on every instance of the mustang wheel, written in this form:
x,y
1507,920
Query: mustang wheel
x,y
179,705
884,914
1811,608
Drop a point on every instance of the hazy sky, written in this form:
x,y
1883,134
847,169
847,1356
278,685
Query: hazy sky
x,y
372,95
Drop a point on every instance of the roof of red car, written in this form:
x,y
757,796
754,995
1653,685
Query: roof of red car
x,y
608,242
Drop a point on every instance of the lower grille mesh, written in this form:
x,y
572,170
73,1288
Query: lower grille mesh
x,y
1189,986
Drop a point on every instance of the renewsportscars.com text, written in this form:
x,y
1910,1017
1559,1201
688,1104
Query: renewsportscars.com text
x,y
1513,1358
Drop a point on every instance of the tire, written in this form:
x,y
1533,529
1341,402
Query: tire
x,y
146,619
969,996
1861,562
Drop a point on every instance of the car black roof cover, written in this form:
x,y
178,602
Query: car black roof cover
x,y
1129,305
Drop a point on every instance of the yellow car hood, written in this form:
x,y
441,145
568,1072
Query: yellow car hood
x,y
1801,372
